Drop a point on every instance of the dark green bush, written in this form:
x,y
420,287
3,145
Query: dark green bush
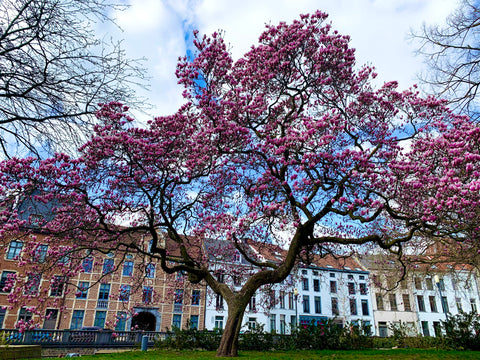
x,y
256,339
463,331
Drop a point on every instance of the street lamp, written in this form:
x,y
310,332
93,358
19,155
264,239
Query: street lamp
x,y
444,305
295,296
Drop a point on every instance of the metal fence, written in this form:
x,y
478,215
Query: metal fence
x,y
79,338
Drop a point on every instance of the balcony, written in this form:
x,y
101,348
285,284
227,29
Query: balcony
x,y
102,304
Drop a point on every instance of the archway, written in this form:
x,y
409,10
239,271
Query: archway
x,y
144,321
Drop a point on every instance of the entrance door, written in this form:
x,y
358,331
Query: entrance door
x,y
144,321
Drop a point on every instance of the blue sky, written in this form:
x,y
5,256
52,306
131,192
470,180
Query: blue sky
x,y
159,31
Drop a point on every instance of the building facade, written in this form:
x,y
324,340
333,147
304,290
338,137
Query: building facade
x,y
109,292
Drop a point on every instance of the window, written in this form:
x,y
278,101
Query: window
x,y
293,322
318,305
177,321
150,271
363,289
304,272
353,306
87,265
7,280
77,319
56,287
82,292
458,302
100,317
41,253
147,294
14,250
236,256
273,322
283,324
333,287
180,276
108,266
104,292
194,322
418,283
252,323
365,311
124,295
316,285
332,275
236,280
441,284
219,303
179,296
351,288
282,299
271,294
433,304
127,268
393,302
406,302
421,304
220,277
379,299
219,322
50,320
3,312
24,315
306,304
350,277
445,304
437,329
121,322
305,284
252,304
473,304
195,297
429,283
425,329
64,256
290,300
382,329
335,306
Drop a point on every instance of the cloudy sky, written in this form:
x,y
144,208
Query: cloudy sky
x,y
159,31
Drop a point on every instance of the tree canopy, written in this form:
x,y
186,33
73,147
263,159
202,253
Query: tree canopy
x,y
290,145
452,55
54,71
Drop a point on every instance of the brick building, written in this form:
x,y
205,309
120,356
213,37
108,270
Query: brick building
x,y
121,291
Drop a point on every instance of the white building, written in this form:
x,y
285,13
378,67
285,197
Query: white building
x,y
328,288
423,299
441,293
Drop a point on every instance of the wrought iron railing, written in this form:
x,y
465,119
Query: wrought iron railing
x,y
79,338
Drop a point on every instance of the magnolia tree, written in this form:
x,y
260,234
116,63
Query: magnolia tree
x,y
290,146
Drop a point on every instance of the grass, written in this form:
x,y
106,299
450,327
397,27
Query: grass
x,y
293,355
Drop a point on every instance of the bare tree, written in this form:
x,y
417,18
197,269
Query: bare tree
x,y
452,53
54,71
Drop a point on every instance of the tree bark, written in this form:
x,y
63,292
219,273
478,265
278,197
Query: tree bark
x,y
229,342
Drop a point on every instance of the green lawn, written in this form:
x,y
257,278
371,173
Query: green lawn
x,y
294,355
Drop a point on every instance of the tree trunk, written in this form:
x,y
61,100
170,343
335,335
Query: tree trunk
x,y
229,342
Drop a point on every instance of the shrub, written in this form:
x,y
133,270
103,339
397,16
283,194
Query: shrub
x,y
256,339
463,331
